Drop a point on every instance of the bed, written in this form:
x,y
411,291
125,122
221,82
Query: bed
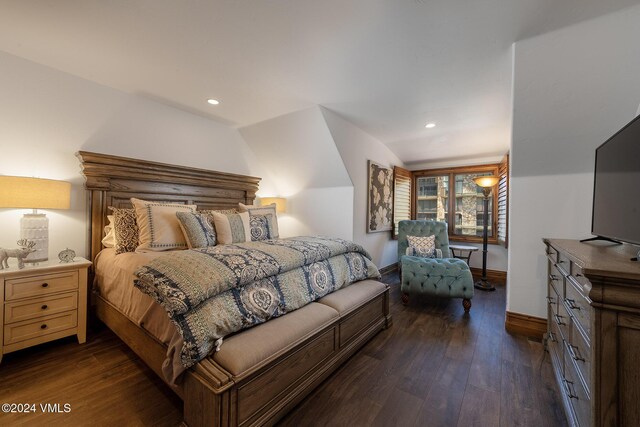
x,y
225,388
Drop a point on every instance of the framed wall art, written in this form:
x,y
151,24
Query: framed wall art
x,y
380,198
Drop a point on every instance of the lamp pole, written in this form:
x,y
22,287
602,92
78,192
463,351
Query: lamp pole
x,y
487,183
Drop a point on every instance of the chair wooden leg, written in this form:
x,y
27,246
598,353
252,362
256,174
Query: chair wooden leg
x,y
405,298
466,303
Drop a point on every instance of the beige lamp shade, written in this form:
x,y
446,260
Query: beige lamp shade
x,y
281,203
34,193
486,181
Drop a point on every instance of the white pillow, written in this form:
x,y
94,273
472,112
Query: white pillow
x,y
159,228
232,228
109,240
263,210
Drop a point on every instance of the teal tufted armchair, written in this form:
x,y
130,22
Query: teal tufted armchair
x,y
445,277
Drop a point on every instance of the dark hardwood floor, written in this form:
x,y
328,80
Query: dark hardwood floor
x,y
433,367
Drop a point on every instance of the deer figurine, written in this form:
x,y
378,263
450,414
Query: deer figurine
x,y
26,247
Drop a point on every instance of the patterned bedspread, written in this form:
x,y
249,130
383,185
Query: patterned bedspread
x,y
213,292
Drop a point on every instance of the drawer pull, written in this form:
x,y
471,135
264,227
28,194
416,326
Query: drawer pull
x,y
550,300
578,275
45,285
43,326
568,388
44,307
560,261
573,354
552,337
553,277
558,319
572,304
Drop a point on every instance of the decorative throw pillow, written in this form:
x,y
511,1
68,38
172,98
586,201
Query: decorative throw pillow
x,y
232,228
411,251
209,213
109,239
197,229
263,210
125,230
159,228
425,246
261,227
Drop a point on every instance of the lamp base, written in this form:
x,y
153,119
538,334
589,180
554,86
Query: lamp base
x,y
35,227
484,285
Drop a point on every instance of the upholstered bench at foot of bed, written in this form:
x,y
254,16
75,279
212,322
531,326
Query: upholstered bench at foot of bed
x,y
448,277
263,371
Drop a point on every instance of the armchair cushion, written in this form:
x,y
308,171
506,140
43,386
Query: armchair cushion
x,y
411,251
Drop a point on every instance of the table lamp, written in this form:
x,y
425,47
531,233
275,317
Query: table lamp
x,y
34,193
281,203
487,183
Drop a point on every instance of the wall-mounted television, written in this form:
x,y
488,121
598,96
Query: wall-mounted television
x,y
616,192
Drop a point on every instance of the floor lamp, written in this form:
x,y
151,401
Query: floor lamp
x,y
487,183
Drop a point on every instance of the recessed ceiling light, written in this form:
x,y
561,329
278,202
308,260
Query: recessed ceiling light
x,y
213,101
430,125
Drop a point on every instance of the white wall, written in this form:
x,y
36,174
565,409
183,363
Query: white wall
x,y
356,147
298,151
47,116
573,88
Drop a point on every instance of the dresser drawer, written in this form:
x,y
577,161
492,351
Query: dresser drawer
x,y
562,320
34,308
557,281
578,275
29,329
580,401
564,263
553,299
578,307
39,285
579,351
554,344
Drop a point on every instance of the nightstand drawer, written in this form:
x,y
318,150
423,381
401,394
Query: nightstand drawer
x,y
29,329
33,308
40,285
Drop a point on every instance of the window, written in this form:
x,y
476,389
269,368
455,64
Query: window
x,y
463,208
402,197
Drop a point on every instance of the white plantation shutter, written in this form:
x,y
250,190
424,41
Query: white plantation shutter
x,y
402,179
503,202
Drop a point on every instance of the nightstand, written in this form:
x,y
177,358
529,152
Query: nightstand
x,y
42,303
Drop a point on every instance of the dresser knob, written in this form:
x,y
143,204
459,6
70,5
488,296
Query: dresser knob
x,y
43,326
574,355
45,284
44,307
572,304
558,319
568,389
578,275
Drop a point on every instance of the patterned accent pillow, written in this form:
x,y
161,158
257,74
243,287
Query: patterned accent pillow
x,y
425,245
209,212
125,229
232,228
411,251
159,228
261,227
197,229
263,210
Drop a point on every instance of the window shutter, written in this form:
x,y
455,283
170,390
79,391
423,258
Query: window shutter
x,y
402,197
503,202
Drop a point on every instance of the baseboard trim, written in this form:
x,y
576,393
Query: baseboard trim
x,y
495,276
523,324
389,268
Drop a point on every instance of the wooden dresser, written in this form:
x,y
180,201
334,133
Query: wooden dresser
x,y
42,303
593,332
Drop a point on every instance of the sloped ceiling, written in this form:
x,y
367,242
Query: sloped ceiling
x,y
389,67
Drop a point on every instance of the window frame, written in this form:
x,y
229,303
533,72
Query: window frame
x,y
451,172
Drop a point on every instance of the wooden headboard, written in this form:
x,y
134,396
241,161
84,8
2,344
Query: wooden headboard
x,y
113,180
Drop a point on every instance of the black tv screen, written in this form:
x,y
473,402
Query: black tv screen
x,y
616,193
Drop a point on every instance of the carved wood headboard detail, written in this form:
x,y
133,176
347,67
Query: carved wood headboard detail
x,y
112,181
